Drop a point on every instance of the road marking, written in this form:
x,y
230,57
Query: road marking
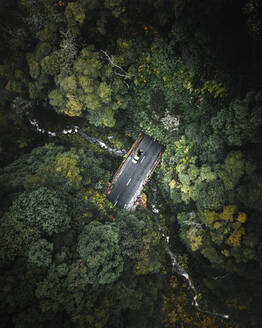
x,y
142,159
115,203
128,181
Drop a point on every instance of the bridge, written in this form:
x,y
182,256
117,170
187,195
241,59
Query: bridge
x,y
134,172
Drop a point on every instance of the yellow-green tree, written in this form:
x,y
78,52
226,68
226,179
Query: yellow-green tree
x,y
92,89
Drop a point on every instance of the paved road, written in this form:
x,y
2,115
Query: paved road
x,y
132,175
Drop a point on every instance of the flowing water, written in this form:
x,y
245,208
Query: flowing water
x,y
176,267
76,129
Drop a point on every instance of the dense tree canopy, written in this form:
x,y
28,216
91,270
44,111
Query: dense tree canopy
x,y
186,73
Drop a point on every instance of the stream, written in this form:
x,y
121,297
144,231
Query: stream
x,y
76,129
154,205
176,267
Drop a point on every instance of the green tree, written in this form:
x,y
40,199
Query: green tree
x,y
43,209
92,89
16,237
40,253
98,247
241,122
130,235
63,289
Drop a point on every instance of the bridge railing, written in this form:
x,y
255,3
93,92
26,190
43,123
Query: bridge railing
x,y
116,175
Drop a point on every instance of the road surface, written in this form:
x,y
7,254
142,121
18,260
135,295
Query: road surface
x,y
132,176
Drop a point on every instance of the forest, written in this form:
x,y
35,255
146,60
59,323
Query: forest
x,y
187,73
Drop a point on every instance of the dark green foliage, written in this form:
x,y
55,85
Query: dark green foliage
x,y
209,195
130,232
241,123
62,289
188,73
42,209
98,248
16,237
56,235
40,253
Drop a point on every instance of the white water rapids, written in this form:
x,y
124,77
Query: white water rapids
x,y
121,152
76,129
176,267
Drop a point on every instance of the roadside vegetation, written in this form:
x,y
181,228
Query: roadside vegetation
x,y
187,73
